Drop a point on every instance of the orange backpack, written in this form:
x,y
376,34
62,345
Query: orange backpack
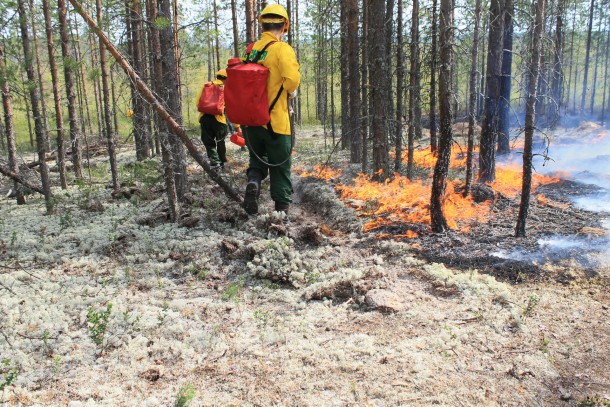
x,y
212,100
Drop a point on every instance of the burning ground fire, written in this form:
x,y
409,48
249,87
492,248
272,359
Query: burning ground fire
x,y
405,204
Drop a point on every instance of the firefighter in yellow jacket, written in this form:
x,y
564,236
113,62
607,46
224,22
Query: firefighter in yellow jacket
x,y
214,130
270,148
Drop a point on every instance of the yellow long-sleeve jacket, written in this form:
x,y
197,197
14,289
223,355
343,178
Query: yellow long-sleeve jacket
x,y
283,67
219,117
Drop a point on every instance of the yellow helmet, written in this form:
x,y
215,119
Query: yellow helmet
x,y
222,72
277,10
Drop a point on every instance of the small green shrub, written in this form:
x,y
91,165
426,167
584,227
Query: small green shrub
x,y
98,323
185,395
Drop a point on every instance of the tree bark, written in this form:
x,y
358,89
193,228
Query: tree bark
x,y
110,136
43,104
587,56
505,81
250,21
490,127
530,115
378,74
414,89
346,128
171,96
365,85
235,32
59,121
433,69
441,168
81,86
216,36
400,77
474,92
9,129
557,84
38,124
594,87
69,63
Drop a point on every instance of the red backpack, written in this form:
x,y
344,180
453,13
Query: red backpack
x,y
212,99
246,91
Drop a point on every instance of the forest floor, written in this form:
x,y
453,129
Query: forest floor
x,y
107,303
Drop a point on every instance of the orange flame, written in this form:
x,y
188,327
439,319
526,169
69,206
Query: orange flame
x,y
320,171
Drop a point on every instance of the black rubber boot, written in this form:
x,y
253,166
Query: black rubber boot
x,y
282,207
253,191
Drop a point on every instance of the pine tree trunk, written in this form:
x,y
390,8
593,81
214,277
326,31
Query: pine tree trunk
x,y
400,77
365,85
110,136
250,21
97,93
505,81
378,76
568,97
66,53
216,36
9,128
414,89
441,168
558,78
594,87
346,128
587,57
140,116
474,92
59,121
84,104
171,97
235,32
388,88
433,69
490,127
607,48
27,107
43,104
36,113
530,116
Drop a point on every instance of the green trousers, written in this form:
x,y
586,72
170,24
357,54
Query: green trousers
x,y
213,135
272,150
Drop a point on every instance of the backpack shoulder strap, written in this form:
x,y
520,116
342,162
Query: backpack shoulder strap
x,y
260,53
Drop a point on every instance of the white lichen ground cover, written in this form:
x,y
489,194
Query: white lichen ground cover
x,y
213,321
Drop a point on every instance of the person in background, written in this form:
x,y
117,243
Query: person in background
x,y
270,146
214,130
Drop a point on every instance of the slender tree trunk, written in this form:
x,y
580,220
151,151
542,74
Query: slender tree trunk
x,y
250,21
43,103
571,60
603,115
84,107
365,84
110,136
388,89
433,69
59,121
346,128
378,73
38,124
177,51
557,84
474,92
27,108
414,89
483,73
69,64
490,128
9,128
400,77
594,87
235,32
172,98
530,116
441,168
97,93
139,107
587,56
289,12
505,81
216,36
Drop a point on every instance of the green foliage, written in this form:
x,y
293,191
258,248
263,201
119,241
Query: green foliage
x,y
233,291
9,378
161,23
532,303
185,395
98,323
